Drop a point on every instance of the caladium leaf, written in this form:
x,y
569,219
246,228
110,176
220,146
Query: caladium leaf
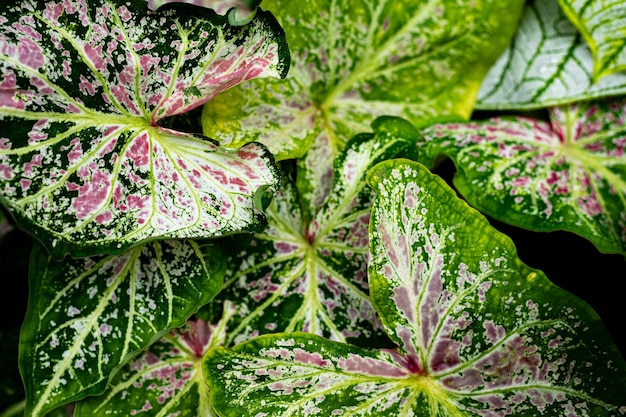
x,y
83,161
479,333
566,175
602,25
354,61
301,275
547,64
165,380
88,316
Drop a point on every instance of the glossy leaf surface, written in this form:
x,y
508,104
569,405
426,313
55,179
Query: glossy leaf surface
x,y
547,64
165,380
602,25
83,161
478,332
301,275
88,316
566,175
354,61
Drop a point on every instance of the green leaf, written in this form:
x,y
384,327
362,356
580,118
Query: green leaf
x,y
87,317
479,333
354,61
603,26
306,375
301,275
165,380
84,164
566,175
547,64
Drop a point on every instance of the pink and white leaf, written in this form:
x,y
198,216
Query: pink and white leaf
x,y
82,156
569,174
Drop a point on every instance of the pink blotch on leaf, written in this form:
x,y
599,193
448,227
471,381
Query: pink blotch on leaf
x,y
139,151
8,91
53,12
105,329
197,336
92,194
370,366
309,358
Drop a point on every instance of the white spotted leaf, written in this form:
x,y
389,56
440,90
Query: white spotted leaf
x,y
569,174
164,380
602,25
84,163
310,274
479,333
87,317
548,63
354,61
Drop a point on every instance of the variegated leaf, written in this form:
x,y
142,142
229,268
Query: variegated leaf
x,y
354,61
87,317
602,25
479,333
83,161
165,380
301,275
285,375
547,64
567,175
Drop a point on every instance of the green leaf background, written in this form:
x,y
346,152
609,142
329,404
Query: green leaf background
x,y
355,61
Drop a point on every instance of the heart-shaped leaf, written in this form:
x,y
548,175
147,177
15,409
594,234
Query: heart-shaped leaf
x,y
354,61
87,317
83,161
165,380
311,275
567,175
547,64
478,332
602,25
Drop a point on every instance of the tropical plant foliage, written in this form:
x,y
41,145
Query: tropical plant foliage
x,y
235,208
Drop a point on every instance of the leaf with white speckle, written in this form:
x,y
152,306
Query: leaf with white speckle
x,y
356,60
84,163
569,174
165,380
301,275
479,333
547,64
88,316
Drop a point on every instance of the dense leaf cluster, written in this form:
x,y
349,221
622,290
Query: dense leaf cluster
x,y
289,210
